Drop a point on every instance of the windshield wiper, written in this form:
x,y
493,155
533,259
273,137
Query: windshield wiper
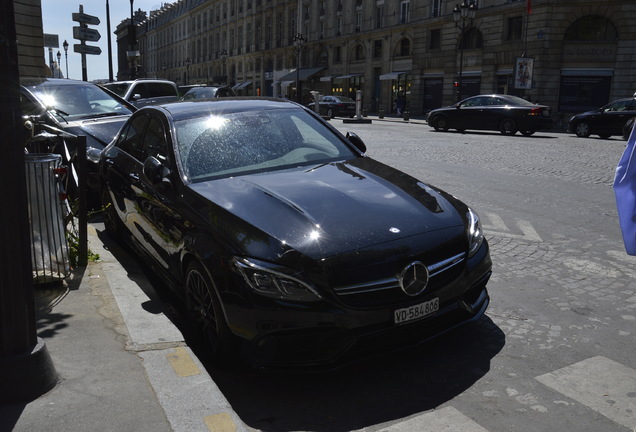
x,y
108,114
60,113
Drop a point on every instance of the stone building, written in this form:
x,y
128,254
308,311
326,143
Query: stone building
x,y
28,23
570,54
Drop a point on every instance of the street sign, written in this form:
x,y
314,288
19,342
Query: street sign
x,y
81,17
86,34
51,40
86,49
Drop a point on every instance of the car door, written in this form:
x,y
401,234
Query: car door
x,y
614,116
470,114
159,225
123,167
493,110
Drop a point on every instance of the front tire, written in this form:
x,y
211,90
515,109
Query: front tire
x,y
582,130
204,310
440,124
508,126
330,113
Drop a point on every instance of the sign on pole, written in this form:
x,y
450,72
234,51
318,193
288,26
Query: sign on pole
x,y
87,49
83,18
85,33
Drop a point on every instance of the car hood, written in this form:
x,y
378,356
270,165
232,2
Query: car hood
x,y
326,210
99,132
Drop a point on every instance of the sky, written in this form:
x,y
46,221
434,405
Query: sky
x,y
57,20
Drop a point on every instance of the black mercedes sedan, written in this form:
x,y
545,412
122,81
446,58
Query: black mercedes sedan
x,y
504,113
289,245
335,106
606,121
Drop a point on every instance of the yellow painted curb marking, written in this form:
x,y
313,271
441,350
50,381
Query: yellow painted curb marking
x,y
220,423
182,363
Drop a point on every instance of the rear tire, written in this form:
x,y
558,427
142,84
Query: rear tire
x,y
527,133
508,126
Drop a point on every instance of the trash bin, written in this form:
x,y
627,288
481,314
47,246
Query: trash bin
x,y
49,246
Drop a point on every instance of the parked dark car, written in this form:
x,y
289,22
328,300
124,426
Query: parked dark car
x,y
627,129
285,239
606,121
208,92
79,108
505,113
335,106
145,91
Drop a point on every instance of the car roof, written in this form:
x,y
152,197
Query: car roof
x,y
200,107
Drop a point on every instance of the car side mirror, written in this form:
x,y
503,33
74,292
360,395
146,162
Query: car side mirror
x,y
357,142
156,172
136,96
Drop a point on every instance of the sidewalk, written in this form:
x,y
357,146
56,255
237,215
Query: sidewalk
x,y
122,365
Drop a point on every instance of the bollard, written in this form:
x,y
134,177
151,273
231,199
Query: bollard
x,y
381,112
405,115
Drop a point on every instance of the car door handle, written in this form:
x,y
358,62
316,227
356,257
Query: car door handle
x,y
134,176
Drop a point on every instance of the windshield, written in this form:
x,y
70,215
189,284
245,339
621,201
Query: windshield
x,y
119,89
78,101
232,144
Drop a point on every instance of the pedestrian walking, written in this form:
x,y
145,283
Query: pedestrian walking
x,y
625,191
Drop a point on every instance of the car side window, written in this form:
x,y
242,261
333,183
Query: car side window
x,y
155,140
131,138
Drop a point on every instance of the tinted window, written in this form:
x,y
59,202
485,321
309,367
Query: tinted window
x,y
131,139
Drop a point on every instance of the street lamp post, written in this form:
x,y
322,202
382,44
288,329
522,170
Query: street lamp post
x,y
463,15
59,63
188,62
65,45
299,41
224,55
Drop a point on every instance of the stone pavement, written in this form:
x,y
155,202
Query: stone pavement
x,y
122,365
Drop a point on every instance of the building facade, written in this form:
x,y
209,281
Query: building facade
x,y
573,55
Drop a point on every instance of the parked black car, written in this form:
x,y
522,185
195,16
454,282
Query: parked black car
x,y
335,106
79,108
505,113
606,121
208,92
285,239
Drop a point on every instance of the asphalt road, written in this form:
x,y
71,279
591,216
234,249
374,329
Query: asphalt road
x,y
556,350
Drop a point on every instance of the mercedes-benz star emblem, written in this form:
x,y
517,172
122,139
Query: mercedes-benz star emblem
x,y
414,278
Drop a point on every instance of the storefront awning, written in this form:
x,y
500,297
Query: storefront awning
x,y
391,76
235,86
349,76
240,86
303,74
328,78
285,83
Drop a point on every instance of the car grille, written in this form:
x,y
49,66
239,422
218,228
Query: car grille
x,y
388,291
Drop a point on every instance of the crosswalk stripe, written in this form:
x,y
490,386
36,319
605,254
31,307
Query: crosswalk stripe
x,y
601,384
446,419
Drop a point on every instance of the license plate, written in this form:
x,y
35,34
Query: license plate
x,y
416,311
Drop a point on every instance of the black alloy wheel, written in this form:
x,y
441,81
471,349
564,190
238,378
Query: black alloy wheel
x,y
204,311
508,126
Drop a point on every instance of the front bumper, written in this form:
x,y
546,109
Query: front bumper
x,y
330,334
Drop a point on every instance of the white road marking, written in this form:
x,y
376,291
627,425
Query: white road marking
x,y
442,420
601,384
498,227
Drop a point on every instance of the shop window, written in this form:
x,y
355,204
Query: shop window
x,y
591,28
359,52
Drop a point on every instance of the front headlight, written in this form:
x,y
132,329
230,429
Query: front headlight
x,y
268,280
474,231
